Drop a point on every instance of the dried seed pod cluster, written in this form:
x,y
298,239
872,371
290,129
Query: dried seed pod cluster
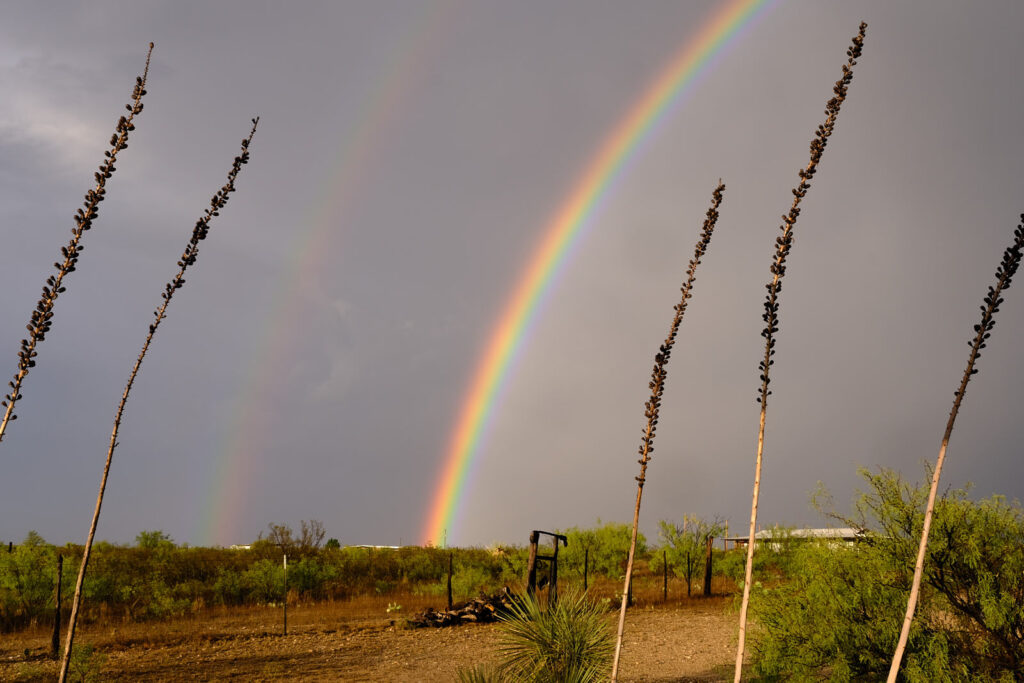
x,y
982,331
657,386
783,244
188,258
42,316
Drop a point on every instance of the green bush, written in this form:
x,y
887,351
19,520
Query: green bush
x,y
570,641
85,664
608,545
27,577
837,615
263,582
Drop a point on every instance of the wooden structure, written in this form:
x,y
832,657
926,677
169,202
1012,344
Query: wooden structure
x,y
552,560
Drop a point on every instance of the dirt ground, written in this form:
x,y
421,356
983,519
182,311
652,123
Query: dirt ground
x,y
685,641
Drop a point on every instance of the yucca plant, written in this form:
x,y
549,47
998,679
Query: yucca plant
x,y
783,244
657,385
188,258
982,331
42,316
570,642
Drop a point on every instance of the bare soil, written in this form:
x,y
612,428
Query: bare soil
x,y
685,640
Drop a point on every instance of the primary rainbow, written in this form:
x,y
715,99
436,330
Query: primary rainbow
x,y
562,232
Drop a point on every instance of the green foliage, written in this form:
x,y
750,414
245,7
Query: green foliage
x,y
838,614
153,540
571,641
608,544
85,664
686,545
27,578
154,578
481,673
264,581
332,544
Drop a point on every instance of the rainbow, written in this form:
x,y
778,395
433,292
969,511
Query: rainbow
x,y
251,417
564,229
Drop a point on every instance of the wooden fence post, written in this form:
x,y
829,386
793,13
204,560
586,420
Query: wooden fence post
x,y
586,561
707,569
553,590
664,566
450,556
531,565
55,638
286,594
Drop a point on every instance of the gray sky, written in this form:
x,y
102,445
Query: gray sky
x,y
409,159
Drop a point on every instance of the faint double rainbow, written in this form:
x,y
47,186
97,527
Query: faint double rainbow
x,y
564,229
250,420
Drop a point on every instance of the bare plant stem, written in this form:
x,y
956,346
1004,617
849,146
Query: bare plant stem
x,y
1004,274
202,227
657,385
783,244
42,316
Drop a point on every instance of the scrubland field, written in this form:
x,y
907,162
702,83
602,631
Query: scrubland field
x,y
357,639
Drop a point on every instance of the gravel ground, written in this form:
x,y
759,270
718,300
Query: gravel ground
x,y
691,642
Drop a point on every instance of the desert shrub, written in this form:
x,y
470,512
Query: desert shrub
x,y
228,588
839,612
570,641
481,673
263,582
608,545
686,546
153,540
85,664
27,577
311,576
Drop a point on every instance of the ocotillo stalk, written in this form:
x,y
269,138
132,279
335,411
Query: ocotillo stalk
x,y
982,331
199,232
783,243
42,316
657,385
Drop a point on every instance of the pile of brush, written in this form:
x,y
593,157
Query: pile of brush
x,y
484,609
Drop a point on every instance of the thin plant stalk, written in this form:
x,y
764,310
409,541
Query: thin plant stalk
x,y
199,233
982,331
783,244
42,316
657,385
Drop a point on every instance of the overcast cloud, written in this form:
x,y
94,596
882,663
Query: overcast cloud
x,y
408,161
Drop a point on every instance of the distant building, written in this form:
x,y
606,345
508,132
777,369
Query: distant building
x,y
779,535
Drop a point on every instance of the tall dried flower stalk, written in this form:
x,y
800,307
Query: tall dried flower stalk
x,y
783,244
199,232
657,386
982,331
42,316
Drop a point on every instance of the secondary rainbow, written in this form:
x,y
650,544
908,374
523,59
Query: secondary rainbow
x,y
313,246
564,229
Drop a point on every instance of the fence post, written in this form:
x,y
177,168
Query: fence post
x,y
664,566
55,639
586,561
531,565
451,554
707,569
286,594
